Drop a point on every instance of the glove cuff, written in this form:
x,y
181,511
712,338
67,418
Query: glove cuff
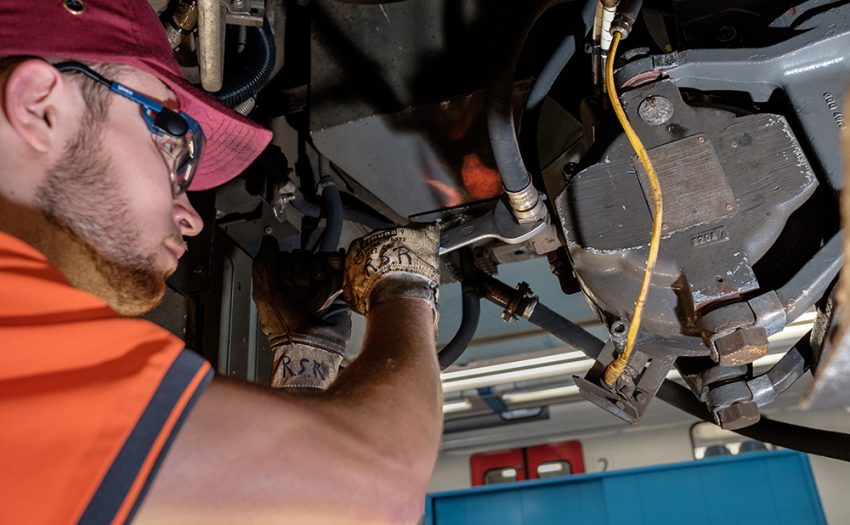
x,y
305,366
404,285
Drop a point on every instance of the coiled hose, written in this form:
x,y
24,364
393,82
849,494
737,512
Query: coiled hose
x,y
240,87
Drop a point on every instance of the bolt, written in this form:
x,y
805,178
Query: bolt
x,y
663,225
655,110
738,415
726,33
729,206
238,4
743,346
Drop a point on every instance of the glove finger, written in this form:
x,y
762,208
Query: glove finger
x,y
263,267
302,268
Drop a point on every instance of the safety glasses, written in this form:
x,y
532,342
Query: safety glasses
x,y
178,136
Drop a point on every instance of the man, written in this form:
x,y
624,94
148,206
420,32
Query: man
x,y
100,138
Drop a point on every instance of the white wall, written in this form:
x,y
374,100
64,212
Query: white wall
x,y
639,446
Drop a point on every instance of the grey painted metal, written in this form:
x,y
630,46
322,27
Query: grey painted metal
x,y
811,68
762,390
789,369
750,170
810,283
497,223
769,312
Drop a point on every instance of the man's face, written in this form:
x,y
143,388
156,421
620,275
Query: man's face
x,y
110,196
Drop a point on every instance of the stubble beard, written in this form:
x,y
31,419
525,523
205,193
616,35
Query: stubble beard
x,y
93,239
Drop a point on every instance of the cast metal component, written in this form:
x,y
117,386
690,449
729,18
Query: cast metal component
x,y
211,44
741,347
811,68
774,309
497,223
709,244
656,110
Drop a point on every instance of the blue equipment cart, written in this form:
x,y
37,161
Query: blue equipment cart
x,y
775,488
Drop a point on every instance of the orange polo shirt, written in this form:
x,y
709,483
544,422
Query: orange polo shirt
x,y
89,400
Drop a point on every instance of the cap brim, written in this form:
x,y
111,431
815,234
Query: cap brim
x,y
232,141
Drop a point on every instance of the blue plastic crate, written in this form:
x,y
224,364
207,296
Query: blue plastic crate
x,y
775,488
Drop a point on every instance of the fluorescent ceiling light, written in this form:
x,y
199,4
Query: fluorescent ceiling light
x,y
513,365
526,374
456,406
537,395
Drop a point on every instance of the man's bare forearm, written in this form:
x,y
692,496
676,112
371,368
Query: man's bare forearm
x,y
395,385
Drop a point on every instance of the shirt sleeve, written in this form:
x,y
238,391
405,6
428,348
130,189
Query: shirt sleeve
x,y
124,486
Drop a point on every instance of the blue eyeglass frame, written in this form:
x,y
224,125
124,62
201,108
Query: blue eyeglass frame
x,y
160,120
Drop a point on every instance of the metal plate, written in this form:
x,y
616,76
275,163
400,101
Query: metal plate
x,y
689,171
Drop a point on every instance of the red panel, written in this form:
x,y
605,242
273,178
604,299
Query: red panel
x,y
485,461
568,451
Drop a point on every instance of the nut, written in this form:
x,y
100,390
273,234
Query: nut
x,y
743,346
738,415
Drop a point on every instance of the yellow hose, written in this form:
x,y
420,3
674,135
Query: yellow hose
x,y
614,370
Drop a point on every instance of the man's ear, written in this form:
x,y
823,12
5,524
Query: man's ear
x,y
33,95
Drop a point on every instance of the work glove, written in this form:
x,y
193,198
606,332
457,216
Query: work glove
x,y
392,263
307,326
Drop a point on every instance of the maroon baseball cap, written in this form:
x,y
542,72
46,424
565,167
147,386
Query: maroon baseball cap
x,y
129,32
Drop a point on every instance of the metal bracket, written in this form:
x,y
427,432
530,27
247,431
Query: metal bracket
x,y
498,223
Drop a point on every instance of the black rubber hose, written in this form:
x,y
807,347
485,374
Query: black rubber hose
x,y
470,312
241,87
370,220
567,331
500,115
559,59
825,443
332,205
471,303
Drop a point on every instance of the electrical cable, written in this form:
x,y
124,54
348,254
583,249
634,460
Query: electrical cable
x,y
615,369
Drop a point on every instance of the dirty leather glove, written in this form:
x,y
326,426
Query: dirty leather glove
x,y
307,326
391,263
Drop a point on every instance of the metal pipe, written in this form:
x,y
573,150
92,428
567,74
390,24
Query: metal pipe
x,y
809,284
211,44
